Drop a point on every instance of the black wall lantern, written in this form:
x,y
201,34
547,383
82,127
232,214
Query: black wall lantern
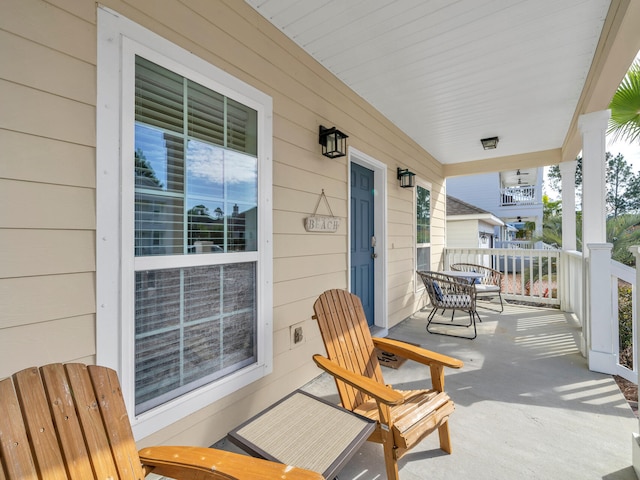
x,y
406,177
333,142
489,143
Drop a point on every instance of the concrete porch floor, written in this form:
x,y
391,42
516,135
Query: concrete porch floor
x,y
527,407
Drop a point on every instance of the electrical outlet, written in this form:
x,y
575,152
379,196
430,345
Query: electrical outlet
x,y
297,334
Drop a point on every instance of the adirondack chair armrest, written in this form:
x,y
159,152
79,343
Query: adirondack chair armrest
x,y
380,393
200,463
417,354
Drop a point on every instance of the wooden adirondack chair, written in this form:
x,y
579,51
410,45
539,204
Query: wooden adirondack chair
x,y
404,417
70,422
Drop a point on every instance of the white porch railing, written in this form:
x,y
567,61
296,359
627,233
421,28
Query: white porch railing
x,y
530,275
555,277
518,196
623,287
570,287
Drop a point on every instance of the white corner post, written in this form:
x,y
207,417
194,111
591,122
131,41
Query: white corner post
x,y
601,340
596,253
568,179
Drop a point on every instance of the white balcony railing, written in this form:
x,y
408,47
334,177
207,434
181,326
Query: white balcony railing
x,y
518,196
524,244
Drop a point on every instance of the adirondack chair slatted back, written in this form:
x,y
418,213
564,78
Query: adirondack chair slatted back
x,y
65,422
346,336
69,422
404,417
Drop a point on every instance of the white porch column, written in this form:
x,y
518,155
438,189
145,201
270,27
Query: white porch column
x,y
598,328
568,177
602,356
593,127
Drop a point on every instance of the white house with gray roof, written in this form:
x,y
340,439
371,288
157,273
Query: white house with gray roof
x,y
469,226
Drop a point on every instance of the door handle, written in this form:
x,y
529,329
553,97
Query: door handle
x,y
374,255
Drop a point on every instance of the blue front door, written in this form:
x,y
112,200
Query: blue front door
x,y
362,238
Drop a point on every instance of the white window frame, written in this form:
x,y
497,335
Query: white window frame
x,y
119,40
427,186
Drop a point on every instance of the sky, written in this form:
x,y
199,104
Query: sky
x,y
630,152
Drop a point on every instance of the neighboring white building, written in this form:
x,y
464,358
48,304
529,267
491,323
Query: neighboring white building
x,y
469,226
515,196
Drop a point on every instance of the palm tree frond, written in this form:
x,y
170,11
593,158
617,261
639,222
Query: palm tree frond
x,y
625,108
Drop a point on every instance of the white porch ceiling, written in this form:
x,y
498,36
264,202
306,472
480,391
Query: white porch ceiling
x,y
449,73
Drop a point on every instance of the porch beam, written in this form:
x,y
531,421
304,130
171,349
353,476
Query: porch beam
x,y
498,164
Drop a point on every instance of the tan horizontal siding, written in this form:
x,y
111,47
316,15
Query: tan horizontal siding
x,y
402,229
398,254
43,160
400,241
84,10
290,291
25,253
300,158
397,280
311,182
46,342
404,265
281,341
30,300
404,292
45,115
292,200
294,312
308,244
294,268
49,25
46,206
40,67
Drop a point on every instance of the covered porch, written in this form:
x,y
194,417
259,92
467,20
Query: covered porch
x,y
69,286
527,405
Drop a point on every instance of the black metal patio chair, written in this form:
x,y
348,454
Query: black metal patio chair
x,y
449,292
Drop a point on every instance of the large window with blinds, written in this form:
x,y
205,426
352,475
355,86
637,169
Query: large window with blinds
x,y
196,189
184,255
423,231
